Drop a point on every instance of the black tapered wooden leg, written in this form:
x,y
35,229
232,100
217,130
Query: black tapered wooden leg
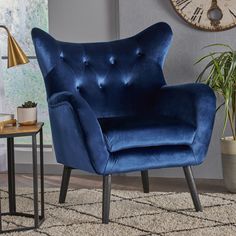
x,y
64,184
145,181
106,198
192,187
11,175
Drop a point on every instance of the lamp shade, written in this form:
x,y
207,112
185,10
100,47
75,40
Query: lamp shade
x,y
16,56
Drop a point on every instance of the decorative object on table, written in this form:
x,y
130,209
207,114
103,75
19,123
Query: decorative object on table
x,y
23,83
15,56
6,119
113,112
10,133
220,75
207,15
27,113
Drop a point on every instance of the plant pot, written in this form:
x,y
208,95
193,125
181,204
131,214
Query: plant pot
x,y
27,116
228,154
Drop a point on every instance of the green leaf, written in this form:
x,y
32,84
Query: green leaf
x,y
217,45
219,73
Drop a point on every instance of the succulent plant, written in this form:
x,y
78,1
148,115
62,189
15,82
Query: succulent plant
x,y
29,104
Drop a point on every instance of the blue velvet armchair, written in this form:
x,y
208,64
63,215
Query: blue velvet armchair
x,y
112,112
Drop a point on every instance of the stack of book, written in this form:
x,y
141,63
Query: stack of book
x,y
6,119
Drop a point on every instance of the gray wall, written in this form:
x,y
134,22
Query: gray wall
x,y
136,15
83,20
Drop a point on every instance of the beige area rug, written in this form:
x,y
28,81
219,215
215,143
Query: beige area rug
x,y
132,213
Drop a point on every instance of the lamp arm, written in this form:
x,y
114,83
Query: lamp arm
x,y
4,27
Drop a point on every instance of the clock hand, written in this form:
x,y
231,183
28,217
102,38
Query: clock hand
x,y
214,14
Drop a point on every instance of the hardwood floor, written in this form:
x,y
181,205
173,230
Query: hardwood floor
x,y
120,182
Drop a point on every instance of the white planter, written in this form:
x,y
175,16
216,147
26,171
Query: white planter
x,y
27,116
228,149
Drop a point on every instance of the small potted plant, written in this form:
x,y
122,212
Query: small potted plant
x,y
27,113
220,74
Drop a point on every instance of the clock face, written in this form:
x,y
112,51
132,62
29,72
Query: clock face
x,y
210,15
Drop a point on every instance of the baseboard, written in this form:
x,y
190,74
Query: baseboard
x,y
49,169
57,169
24,166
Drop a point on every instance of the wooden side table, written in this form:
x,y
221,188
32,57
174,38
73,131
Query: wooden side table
x,y
21,131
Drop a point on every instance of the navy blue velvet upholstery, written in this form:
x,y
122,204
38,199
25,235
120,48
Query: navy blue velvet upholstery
x,y
111,110
145,132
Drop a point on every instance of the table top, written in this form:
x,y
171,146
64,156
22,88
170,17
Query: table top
x,y
11,131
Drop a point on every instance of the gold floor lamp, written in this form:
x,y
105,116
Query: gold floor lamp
x,y
15,56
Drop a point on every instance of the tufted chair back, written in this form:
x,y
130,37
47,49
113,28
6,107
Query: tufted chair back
x,y
117,78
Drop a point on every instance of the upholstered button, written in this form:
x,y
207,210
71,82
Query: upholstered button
x,y
86,63
112,60
139,54
127,81
85,60
100,85
79,89
61,55
78,85
101,82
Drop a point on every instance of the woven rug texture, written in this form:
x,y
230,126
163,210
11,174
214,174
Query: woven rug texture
x,y
132,213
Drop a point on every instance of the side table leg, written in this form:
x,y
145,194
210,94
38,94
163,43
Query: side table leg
x,y
35,181
42,173
11,175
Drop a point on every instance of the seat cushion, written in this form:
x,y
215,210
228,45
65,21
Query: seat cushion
x,y
137,159
133,132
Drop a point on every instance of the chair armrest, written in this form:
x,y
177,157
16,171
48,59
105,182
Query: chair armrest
x,y
76,115
192,103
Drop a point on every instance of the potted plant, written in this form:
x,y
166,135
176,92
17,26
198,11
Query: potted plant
x,y
220,74
27,113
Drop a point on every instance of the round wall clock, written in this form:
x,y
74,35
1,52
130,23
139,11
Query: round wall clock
x,y
210,15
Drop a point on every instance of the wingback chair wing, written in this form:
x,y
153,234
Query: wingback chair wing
x,y
112,112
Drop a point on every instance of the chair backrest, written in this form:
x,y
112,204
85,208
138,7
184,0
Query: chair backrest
x,y
116,78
